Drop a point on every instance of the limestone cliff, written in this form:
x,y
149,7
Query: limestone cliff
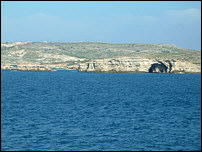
x,y
139,65
27,68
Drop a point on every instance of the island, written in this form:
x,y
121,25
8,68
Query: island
x,y
99,57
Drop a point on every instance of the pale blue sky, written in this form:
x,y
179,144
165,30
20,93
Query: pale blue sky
x,y
175,22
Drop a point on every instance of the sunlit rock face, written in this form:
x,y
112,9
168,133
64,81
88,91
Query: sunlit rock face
x,y
138,65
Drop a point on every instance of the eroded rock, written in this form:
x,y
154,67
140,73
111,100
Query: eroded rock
x,y
139,65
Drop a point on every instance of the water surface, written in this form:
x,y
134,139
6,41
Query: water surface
x,y
68,110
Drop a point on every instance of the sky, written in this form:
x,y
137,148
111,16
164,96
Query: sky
x,y
156,22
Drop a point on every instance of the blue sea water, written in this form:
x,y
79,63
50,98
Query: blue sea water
x,y
68,110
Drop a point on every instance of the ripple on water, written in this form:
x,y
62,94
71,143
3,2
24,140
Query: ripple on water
x,y
66,110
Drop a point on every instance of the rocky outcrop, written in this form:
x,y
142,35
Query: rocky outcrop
x,y
34,68
27,68
139,65
8,67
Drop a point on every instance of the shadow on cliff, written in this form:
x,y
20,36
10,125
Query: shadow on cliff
x,y
158,68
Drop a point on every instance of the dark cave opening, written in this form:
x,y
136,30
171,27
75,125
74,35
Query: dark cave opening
x,y
158,68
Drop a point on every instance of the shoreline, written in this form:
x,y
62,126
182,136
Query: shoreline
x,y
131,72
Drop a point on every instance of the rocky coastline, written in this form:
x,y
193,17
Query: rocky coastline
x,y
118,65
99,57
37,67
139,65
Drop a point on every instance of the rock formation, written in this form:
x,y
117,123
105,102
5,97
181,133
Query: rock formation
x,y
139,65
27,68
8,67
34,68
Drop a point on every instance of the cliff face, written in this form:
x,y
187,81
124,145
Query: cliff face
x,y
139,65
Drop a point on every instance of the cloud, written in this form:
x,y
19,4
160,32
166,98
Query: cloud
x,y
191,12
187,16
51,22
172,26
40,27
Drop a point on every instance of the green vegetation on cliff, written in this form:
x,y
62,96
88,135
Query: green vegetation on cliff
x,y
54,52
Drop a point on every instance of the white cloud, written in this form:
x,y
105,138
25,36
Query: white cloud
x,y
187,12
187,16
171,26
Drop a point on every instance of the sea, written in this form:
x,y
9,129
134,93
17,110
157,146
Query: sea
x,y
68,110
